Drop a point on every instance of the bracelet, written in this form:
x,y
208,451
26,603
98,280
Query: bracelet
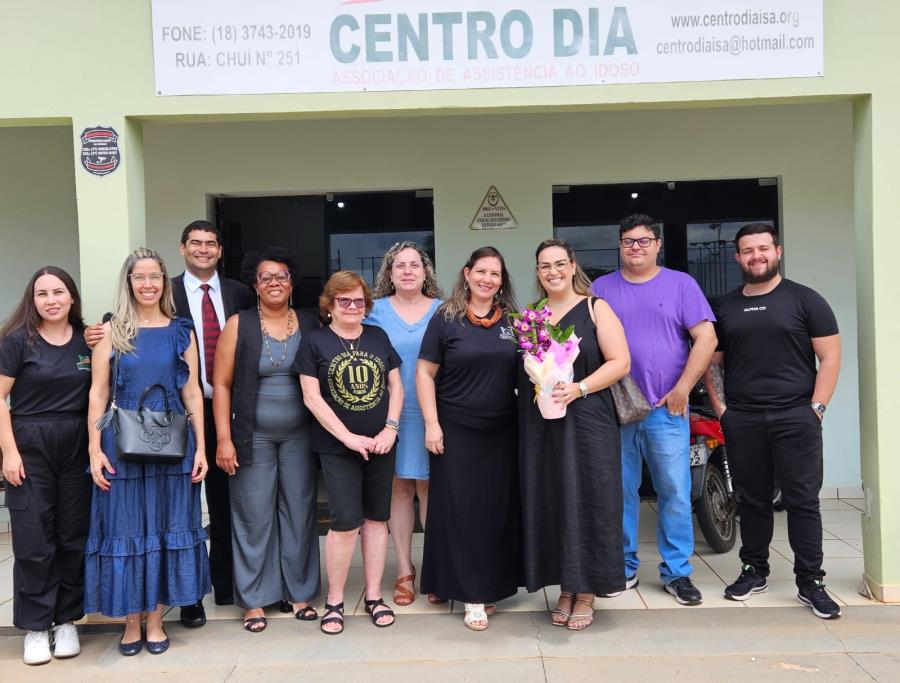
x,y
392,424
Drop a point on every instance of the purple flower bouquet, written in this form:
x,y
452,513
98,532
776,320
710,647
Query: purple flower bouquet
x,y
548,352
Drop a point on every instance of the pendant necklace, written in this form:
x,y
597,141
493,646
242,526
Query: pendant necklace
x,y
348,343
265,335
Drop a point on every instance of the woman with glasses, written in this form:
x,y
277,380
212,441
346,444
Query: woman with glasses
x,y
406,296
45,371
351,384
264,445
146,546
466,379
571,467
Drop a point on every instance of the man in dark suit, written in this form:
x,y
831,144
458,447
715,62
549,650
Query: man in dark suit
x,y
201,294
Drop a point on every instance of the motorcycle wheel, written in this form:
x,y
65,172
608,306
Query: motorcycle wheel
x,y
716,513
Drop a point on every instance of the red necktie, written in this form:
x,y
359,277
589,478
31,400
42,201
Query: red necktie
x,y
211,331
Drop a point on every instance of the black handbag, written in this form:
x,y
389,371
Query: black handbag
x,y
143,435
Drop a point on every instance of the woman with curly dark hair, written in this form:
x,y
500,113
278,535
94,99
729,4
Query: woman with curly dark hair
x,y
406,296
264,445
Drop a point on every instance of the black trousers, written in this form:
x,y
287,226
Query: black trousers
x,y
785,445
219,506
49,516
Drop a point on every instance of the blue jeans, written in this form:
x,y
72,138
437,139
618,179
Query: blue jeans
x,y
663,440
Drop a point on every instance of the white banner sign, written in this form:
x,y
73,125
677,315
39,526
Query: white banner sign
x,y
232,47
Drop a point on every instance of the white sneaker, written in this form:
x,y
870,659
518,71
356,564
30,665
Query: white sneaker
x,y
65,640
37,647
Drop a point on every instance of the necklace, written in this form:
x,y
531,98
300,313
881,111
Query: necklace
x,y
348,343
488,321
265,336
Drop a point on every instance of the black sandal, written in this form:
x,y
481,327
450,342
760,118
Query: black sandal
x,y
250,622
307,613
333,609
386,612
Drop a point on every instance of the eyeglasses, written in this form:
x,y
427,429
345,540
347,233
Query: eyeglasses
x,y
281,277
141,278
642,242
345,301
560,266
196,244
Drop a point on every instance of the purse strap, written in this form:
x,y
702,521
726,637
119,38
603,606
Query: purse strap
x,y
115,375
167,419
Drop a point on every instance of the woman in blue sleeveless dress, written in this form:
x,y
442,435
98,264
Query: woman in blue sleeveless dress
x,y
146,546
406,296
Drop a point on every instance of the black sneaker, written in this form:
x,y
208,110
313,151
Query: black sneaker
x,y
747,584
630,582
685,591
814,595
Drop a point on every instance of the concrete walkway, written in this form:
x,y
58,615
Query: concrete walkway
x,y
773,644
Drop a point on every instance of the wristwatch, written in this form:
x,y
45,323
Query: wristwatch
x,y
819,408
392,424
583,388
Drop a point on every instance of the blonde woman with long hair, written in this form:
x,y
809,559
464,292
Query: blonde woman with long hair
x,y
146,546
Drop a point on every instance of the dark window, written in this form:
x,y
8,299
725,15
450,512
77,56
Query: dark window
x,y
328,232
698,219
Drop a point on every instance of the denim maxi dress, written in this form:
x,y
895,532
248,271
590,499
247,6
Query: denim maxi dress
x,y
146,545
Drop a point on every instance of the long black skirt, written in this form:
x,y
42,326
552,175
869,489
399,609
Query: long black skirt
x,y
473,550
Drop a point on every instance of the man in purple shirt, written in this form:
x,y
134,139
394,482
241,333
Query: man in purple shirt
x,y
663,311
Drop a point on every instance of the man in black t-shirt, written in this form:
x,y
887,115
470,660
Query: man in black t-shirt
x,y
771,399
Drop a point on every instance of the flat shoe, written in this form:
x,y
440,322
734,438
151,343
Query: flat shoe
x,y
404,596
251,622
559,616
157,647
579,622
476,617
386,612
130,649
307,613
338,611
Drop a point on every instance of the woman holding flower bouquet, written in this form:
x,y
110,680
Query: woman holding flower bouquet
x,y
466,377
570,466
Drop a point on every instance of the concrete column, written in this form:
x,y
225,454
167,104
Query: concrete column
x,y
876,178
111,210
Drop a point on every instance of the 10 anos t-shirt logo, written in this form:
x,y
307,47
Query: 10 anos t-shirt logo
x,y
356,381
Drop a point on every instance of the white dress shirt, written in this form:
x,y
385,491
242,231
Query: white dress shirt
x,y
195,301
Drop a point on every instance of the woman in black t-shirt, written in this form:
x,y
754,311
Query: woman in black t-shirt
x,y
466,377
350,377
45,370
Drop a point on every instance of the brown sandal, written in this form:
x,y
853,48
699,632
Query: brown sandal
x,y
433,599
559,616
404,596
579,622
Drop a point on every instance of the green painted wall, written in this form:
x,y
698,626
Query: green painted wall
x,y
52,74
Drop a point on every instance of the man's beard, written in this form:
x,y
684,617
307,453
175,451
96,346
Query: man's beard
x,y
765,276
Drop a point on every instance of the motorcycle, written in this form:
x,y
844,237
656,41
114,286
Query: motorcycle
x,y
712,489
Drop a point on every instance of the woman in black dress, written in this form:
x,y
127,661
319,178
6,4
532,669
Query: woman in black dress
x,y
465,378
571,467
